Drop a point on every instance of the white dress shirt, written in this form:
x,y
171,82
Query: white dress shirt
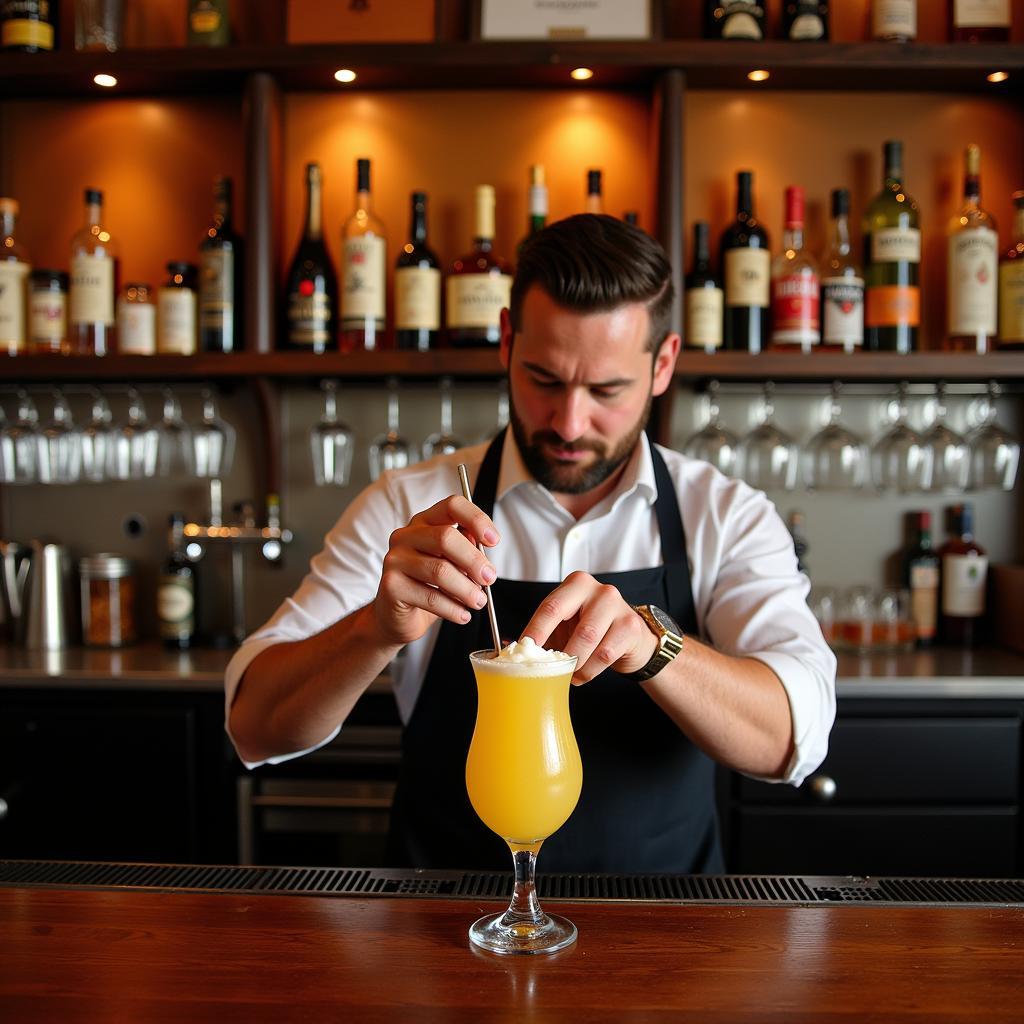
x,y
750,599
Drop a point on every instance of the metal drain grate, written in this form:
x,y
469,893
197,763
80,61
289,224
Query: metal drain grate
x,y
777,889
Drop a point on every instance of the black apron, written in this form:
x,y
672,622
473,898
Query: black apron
x,y
648,793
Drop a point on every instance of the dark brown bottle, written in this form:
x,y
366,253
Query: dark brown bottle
x,y
964,579
805,20
220,277
176,592
921,578
745,274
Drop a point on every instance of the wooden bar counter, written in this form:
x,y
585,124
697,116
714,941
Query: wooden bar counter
x,y
138,956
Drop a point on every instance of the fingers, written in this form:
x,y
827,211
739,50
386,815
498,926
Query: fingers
x,y
403,594
559,606
456,510
594,632
436,570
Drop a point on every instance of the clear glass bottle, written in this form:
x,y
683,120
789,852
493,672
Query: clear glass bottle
x,y
972,284
417,285
894,20
595,201
704,298
136,321
538,200
176,312
15,268
842,286
93,283
796,285
363,263
1011,283
48,312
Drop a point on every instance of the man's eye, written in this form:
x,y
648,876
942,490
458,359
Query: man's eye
x,y
606,393
548,384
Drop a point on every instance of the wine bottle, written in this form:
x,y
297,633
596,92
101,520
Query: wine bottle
x,y
29,25
704,298
364,257
972,289
1011,283
746,273
220,277
176,592
312,292
177,311
796,285
805,20
94,283
538,200
15,268
979,21
479,283
842,287
921,578
417,285
734,19
892,258
894,20
964,578
595,201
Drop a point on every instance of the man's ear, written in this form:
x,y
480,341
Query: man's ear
x,y
665,363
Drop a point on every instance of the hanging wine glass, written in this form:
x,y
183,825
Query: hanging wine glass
x,y
174,455
768,456
899,459
948,454
133,452
19,443
714,443
994,452
97,440
835,459
213,442
443,442
332,442
390,450
60,445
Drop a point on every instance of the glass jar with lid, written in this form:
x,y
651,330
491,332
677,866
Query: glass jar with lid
x,y
108,601
48,312
136,321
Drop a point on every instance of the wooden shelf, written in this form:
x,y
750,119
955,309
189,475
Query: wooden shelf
x,y
472,65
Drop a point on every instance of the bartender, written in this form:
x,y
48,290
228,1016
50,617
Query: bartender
x,y
676,588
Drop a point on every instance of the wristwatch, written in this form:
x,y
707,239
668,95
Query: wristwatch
x,y
670,640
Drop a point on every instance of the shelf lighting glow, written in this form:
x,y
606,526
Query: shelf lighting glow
x,y
582,74
998,76
344,75
760,75
107,81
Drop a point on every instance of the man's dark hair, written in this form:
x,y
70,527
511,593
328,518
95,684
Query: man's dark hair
x,y
594,263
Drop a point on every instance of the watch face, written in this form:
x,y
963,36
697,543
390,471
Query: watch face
x,y
665,620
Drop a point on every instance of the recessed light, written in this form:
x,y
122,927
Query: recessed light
x,y
998,76
582,74
760,75
344,75
107,81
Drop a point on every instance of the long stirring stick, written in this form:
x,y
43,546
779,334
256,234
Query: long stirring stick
x,y
491,615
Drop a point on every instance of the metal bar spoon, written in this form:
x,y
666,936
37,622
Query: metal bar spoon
x,y
491,615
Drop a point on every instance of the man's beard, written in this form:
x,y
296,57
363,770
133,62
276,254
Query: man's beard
x,y
568,478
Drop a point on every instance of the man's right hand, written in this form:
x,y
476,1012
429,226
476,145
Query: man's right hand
x,y
433,569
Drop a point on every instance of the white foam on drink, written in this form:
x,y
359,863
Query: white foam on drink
x,y
526,657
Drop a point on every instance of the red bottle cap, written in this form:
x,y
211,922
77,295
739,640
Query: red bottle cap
x,y
794,207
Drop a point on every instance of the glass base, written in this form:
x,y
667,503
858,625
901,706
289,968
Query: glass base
x,y
502,933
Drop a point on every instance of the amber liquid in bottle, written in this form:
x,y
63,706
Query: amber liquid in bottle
x,y
94,281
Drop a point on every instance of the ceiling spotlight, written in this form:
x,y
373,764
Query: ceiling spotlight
x,y
107,81
344,75
998,76
759,75
582,74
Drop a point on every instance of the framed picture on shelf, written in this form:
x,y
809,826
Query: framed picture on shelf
x,y
565,19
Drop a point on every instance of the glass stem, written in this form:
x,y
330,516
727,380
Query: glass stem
x,y
524,906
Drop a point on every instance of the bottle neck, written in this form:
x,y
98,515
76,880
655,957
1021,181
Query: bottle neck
x,y
7,225
538,207
701,251
483,236
418,224
93,211
222,210
894,179
841,234
793,236
924,538
972,190
313,213
744,201
364,201
1018,225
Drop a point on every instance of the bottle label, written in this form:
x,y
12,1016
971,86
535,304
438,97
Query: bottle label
x,y
704,311
136,328
796,309
92,290
175,607
896,245
27,32
740,19
843,302
1011,301
747,277
47,318
309,316
981,13
476,300
417,298
893,306
216,291
894,18
963,584
13,275
362,294
924,593
176,321
972,284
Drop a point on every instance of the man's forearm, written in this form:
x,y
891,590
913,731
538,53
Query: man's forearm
x,y
734,709
294,694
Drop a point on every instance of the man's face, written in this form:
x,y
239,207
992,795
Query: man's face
x,y
580,388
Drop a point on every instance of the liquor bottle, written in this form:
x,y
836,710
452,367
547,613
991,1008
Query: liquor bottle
x,y
479,283
972,287
538,200
805,20
417,286
705,301
921,578
979,21
312,294
177,311
29,25
734,19
892,259
364,257
894,20
15,268
796,285
208,23
221,255
964,577
176,592
1011,283
746,274
842,287
94,283
595,201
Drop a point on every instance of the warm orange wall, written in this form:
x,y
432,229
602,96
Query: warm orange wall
x,y
834,140
155,161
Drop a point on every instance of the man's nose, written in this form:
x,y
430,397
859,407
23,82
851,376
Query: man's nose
x,y
571,416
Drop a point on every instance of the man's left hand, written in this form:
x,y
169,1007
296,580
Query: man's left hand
x,y
592,621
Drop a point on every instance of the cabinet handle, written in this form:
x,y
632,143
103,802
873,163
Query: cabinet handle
x,y
822,788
